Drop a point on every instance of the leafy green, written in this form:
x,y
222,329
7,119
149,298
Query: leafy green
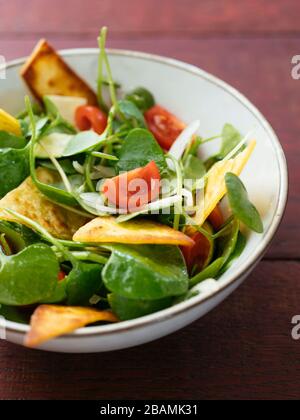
x,y
14,314
231,137
83,282
239,249
132,114
8,140
139,149
14,169
127,309
194,168
241,207
210,272
142,98
83,142
29,276
53,193
146,272
66,165
226,245
18,236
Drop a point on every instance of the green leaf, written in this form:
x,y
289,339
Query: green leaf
x,y
239,249
8,140
139,149
194,168
14,314
82,283
131,113
210,272
83,142
28,277
127,309
142,99
227,243
240,205
231,137
18,236
14,169
146,272
225,246
66,165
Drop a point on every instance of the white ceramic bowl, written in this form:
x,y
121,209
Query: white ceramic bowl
x,y
190,93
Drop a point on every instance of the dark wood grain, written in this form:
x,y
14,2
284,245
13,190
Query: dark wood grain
x,y
261,69
187,17
243,349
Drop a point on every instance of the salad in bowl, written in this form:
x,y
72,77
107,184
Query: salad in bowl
x,y
109,211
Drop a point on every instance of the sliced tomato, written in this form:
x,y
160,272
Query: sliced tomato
x,y
164,126
198,256
90,117
216,218
61,276
134,189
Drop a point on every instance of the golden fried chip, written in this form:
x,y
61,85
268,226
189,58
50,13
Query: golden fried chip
x,y
107,230
28,201
46,73
51,321
9,123
215,188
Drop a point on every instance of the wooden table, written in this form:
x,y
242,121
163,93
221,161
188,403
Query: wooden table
x,y
243,349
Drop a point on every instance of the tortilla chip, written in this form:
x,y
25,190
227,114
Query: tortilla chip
x,y
51,321
28,201
107,230
46,73
9,123
215,188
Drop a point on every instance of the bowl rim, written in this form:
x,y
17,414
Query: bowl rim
x,y
238,272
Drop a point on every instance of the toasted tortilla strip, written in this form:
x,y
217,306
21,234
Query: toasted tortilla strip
x,y
215,188
46,73
28,201
9,123
51,321
107,230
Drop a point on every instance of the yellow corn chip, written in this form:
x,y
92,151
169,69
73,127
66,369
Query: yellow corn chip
x,y
46,73
51,321
28,201
215,188
107,230
9,123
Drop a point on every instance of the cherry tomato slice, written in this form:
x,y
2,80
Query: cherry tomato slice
x,y
164,126
90,117
198,254
61,276
134,189
216,218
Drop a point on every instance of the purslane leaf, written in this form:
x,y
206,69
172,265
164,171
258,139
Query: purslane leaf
x,y
241,207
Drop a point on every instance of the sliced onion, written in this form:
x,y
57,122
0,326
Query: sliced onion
x,y
182,141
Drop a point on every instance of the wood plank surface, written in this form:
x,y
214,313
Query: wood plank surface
x,y
241,350
187,17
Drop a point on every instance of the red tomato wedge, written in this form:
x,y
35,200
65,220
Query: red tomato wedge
x,y
134,189
197,255
90,117
61,276
164,126
216,218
